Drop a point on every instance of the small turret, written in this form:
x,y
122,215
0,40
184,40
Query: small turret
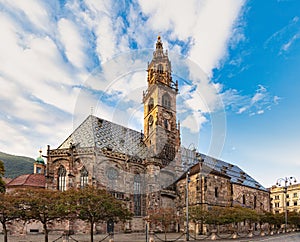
x,y
39,164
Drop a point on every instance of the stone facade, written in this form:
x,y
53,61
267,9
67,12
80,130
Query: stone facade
x,y
251,197
208,187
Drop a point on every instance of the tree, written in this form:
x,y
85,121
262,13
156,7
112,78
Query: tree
x,y
42,205
2,171
163,217
276,219
97,205
198,215
215,216
238,214
294,219
9,210
228,215
250,215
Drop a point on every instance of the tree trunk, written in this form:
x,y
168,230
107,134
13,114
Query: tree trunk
x,y
45,232
5,232
92,231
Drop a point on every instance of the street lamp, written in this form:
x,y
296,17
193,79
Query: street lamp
x,y
286,182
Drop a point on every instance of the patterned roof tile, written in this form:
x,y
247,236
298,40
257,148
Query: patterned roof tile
x,y
100,133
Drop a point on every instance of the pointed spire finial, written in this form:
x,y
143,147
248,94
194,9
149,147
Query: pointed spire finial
x,y
159,44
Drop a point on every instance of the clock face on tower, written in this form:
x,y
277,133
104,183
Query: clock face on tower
x,y
150,120
166,115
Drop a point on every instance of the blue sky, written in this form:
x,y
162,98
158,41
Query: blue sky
x,y
237,63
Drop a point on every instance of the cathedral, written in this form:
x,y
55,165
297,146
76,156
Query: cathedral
x,y
147,169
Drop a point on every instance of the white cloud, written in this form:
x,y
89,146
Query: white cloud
x,y
241,110
287,45
283,39
260,111
194,122
41,63
276,99
73,42
257,97
34,10
208,22
257,103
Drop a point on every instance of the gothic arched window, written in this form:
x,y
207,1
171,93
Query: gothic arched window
x,y
150,104
61,185
244,199
216,192
166,102
84,177
160,68
166,124
137,195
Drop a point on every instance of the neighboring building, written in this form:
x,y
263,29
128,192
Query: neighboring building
x,y
34,181
277,197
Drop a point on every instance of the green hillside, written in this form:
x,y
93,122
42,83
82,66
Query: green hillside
x,y
16,165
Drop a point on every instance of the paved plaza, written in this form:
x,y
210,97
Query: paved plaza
x,y
140,237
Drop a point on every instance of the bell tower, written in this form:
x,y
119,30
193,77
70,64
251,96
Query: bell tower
x,y
161,131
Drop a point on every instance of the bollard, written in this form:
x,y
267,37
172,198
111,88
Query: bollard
x,y
213,236
234,235
151,239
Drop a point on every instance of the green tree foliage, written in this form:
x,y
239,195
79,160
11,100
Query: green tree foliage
x,y
228,215
215,216
275,220
97,205
44,206
198,215
9,210
164,217
2,171
294,219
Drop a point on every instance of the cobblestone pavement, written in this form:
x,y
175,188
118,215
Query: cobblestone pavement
x,y
139,237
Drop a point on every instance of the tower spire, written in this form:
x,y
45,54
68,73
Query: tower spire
x,y
160,131
159,69
158,53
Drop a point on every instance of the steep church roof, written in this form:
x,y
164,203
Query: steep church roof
x,y
103,134
236,174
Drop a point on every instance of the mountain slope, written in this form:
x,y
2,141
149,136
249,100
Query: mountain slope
x,y
16,165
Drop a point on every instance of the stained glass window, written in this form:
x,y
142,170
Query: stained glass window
x,y
137,195
62,178
84,177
